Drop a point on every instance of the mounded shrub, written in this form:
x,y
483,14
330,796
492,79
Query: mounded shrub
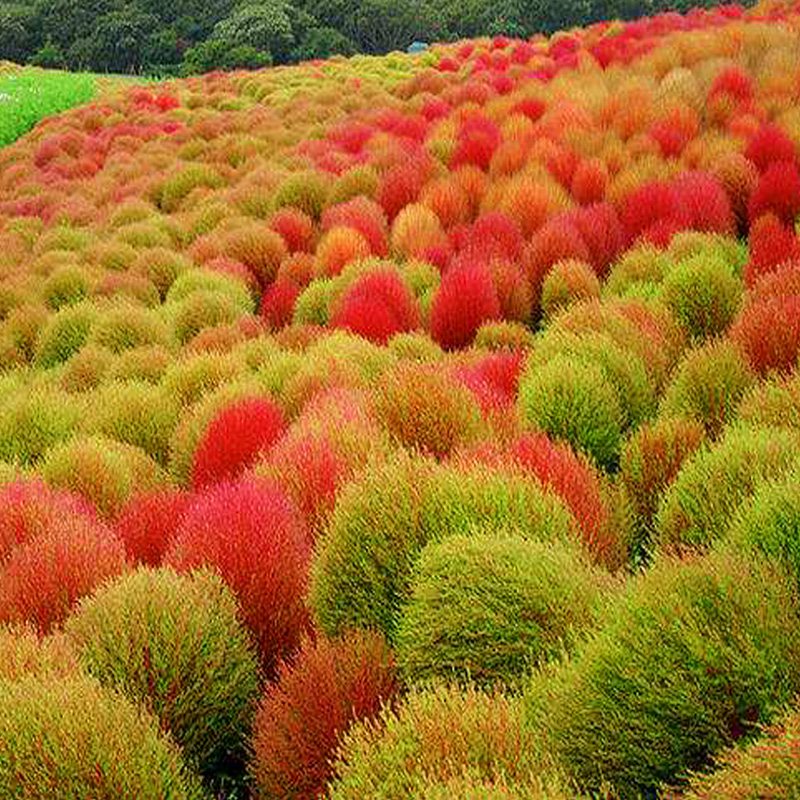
x,y
86,369
306,191
65,285
135,413
425,409
199,678
639,265
64,333
43,578
235,439
254,536
148,521
704,294
189,377
715,480
328,686
768,330
259,248
651,459
573,400
692,657
708,384
489,606
434,735
773,401
504,336
766,767
24,654
163,266
415,346
362,567
126,326
567,282
73,738
147,363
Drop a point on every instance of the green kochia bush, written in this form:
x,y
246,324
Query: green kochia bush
x,y
65,333
692,657
363,564
571,399
489,606
715,480
435,736
72,738
176,644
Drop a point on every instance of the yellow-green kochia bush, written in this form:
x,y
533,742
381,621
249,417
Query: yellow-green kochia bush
x,y
363,564
176,644
691,658
73,738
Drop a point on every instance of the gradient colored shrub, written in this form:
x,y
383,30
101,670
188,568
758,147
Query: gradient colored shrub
x,y
147,363
466,299
567,282
162,266
489,606
23,327
235,439
312,304
127,326
504,336
715,480
306,191
294,227
328,686
425,409
102,471
198,679
435,735
73,738
146,524
337,248
43,578
361,572
180,185
766,767
639,265
361,214
34,419
259,248
202,309
86,369
189,377
708,384
415,229
278,302
65,285
704,295
251,533
135,413
208,282
415,346
775,401
573,400
770,145
681,660
768,330
650,460
23,654
777,192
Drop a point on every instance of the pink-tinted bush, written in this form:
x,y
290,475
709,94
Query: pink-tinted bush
x,y
771,244
29,507
770,145
147,523
295,228
277,302
326,688
465,299
652,209
769,332
43,579
235,438
254,536
704,203
363,215
777,192
376,306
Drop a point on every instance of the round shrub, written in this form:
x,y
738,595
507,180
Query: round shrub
x,y
146,363
708,384
571,399
189,377
29,507
692,657
259,248
766,767
488,607
426,409
24,654
415,346
235,439
86,369
253,535
768,330
306,191
704,294
362,566
147,523
134,413
199,678
162,266
201,310
127,326
567,282
34,419
65,285
328,686
651,459
715,480
774,401
338,248
73,738
504,336
43,578
434,735
642,264
65,333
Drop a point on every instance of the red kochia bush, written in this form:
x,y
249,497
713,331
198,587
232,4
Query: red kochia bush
x,y
29,507
235,439
477,140
777,192
277,302
147,523
771,244
494,379
326,688
295,228
650,208
377,306
465,299
769,332
43,579
770,145
704,202
363,215
254,536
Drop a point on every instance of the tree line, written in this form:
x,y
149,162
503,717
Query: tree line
x,y
183,37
